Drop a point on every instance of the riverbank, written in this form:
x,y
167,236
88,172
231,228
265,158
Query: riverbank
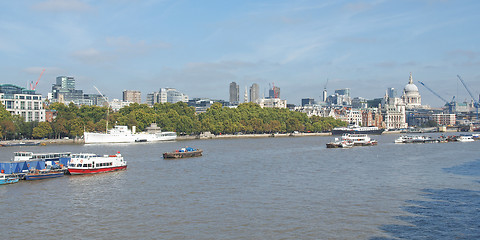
x,y
225,136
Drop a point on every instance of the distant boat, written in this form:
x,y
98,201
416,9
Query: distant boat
x,y
340,144
359,139
465,138
8,178
415,139
121,134
357,130
16,144
86,163
183,153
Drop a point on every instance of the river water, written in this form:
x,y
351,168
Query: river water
x,y
264,188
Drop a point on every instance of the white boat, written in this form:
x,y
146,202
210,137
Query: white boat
x,y
86,163
359,139
121,134
465,138
28,156
415,139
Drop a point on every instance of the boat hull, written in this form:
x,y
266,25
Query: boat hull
x,y
175,155
124,138
74,171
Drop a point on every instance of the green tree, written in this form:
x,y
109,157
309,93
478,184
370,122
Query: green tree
x,y
42,130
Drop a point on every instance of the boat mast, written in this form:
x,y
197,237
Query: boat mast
x,y
108,107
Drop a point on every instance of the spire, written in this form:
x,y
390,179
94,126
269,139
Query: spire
x,y
410,80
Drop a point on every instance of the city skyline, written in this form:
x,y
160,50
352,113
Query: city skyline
x,y
201,47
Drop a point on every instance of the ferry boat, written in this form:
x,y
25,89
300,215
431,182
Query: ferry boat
x,y
86,163
415,139
357,130
35,174
340,144
121,134
359,139
8,178
27,156
465,138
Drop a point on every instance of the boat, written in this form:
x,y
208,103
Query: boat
x,y
415,139
121,134
359,139
8,178
465,138
35,174
357,130
19,144
183,153
340,144
86,163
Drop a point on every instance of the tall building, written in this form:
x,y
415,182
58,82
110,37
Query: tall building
x,y
392,92
23,102
165,95
254,93
274,92
245,96
132,96
64,90
234,93
411,97
307,101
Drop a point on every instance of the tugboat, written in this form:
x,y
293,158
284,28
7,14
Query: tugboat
x,y
86,163
340,144
183,153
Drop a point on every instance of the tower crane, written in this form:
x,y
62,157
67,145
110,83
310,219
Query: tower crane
x,y
32,87
449,104
475,102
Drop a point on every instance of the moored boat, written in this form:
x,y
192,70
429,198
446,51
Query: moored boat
x,y
86,163
183,153
8,178
465,138
340,144
121,134
415,139
35,174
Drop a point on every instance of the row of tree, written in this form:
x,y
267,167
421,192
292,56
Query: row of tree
x,y
72,121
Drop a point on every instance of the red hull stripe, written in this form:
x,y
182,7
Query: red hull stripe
x,y
95,170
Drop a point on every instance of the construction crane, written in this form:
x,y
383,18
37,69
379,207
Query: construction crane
x,y
108,107
32,87
450,104
475,102
429,89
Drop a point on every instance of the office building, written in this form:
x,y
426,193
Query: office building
x,y
23,102
254,93
132,96
234,93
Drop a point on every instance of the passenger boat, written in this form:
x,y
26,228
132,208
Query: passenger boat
x,y
340,144
357,130
415,139
86,163
183,153
35,174
359,139
465,138
19,144
8,178
121,134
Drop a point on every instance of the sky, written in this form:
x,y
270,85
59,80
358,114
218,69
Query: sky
x,y
200,47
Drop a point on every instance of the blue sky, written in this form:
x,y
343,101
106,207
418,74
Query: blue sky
x,y
199,47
